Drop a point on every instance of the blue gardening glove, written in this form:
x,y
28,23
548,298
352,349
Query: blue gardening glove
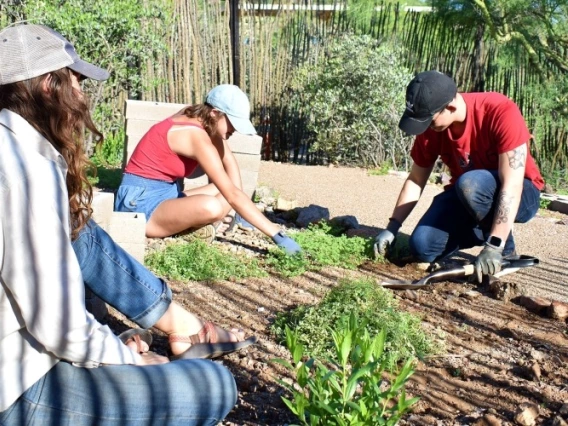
x,y
385,238
489,261
285,242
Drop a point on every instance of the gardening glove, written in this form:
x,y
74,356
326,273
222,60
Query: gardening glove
x,y
286,243
385,238
489,261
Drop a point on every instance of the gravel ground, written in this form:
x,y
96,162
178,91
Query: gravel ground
x,y
352,191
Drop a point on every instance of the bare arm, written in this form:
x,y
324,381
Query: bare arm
x,y
197,145
411,192
511,174
229,162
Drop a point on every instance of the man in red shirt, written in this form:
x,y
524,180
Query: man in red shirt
x,y
484,141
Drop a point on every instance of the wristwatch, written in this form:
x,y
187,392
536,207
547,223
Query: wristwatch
x,y
495,241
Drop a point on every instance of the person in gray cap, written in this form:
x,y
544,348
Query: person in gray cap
x,y
173,149
58,364
484,141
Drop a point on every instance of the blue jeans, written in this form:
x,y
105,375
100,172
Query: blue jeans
x,y
185,392
461,217
119,279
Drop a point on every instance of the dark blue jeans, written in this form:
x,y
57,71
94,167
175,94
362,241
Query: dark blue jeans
x,y
461,217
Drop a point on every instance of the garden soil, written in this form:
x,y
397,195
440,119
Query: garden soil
x,y
501,363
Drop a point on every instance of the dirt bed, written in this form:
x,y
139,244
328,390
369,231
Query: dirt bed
x,y
499,360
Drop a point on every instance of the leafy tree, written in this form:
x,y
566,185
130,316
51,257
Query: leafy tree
x,y
540,27
118,35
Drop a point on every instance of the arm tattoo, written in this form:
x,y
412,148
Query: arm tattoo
x,y
503,208
517,158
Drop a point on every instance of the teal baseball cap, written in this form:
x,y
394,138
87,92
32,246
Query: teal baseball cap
x,y
231,100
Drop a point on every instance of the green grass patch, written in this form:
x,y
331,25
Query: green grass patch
x,y
198,261
380,171
372,305
322,246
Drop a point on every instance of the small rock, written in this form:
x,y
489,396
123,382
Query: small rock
x,y
526,414
411,295
345,222
285,205
558,310
559,421
488,420
534,304
472,294
535,371
312,214
505,291
537,355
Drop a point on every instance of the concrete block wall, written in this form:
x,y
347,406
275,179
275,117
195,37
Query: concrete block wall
x,y
141,115
128,230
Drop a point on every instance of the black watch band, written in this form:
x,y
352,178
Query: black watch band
x,y
495,241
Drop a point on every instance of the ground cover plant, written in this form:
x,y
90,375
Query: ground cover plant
x,y
199,261
372,305
322,246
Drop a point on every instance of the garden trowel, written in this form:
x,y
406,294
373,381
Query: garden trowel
x,y
507,266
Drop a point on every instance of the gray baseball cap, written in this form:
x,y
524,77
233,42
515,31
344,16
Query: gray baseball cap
x,y
29,50
231,100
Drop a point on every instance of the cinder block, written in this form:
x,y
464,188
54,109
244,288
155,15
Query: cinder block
x,y
249,179
249,162
128,230
245,144
103,205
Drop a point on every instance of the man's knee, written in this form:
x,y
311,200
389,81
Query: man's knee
x,y
421,247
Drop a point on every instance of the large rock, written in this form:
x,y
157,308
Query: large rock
x,y
312,214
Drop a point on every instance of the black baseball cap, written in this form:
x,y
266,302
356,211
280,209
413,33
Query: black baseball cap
x,y
428,93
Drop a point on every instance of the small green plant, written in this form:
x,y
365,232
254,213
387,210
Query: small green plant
x,y
351,390
544,203
382,170
373,305
199,261
322,245
110,152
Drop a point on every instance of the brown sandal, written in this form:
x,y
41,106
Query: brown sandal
x,y
205,344
137,335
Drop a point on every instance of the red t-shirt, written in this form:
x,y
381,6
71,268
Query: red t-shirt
x,y
493,125
153,159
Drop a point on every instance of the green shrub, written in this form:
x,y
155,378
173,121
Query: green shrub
x,y
352,391
373,305
110,152
352,96
199,261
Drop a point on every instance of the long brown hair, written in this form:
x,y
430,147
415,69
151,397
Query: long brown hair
x,y
62,117
203,113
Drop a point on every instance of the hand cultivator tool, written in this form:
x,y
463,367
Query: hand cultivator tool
x,y
507,266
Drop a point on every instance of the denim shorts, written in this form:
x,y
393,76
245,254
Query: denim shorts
x,y
143,195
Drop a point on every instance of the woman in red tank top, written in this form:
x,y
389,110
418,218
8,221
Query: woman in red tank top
x,y
172,149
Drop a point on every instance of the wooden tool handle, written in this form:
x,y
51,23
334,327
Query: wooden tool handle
x,y
469,269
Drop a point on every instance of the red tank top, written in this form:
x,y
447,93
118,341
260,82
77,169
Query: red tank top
x,y
153,159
